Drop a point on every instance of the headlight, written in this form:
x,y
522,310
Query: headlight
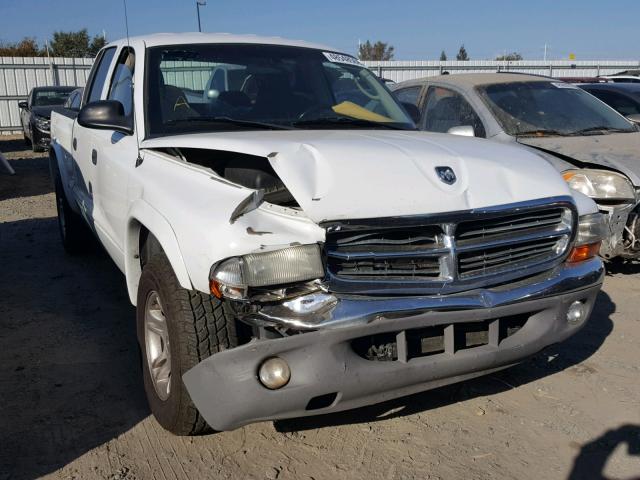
x,y
592,229
233,277
42,123
600,184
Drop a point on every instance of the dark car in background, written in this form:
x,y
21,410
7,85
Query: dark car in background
x,y
622,97
35,114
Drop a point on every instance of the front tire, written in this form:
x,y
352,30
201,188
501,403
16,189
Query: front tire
x,y
177,329
34,143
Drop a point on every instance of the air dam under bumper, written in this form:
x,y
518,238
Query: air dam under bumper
x,y
326,368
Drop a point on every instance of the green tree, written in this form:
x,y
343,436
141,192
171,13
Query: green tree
x,y
375,51
70,44
510,57
443,56
462,53
27,47
96,44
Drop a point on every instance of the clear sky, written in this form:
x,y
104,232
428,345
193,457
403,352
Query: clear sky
x,y
419,29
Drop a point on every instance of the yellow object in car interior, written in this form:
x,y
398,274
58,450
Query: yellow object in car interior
x,y
353,110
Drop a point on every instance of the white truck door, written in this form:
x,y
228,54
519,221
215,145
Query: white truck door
x,y
83,139
116,155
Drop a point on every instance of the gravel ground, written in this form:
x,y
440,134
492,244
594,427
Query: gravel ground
x,y
72,404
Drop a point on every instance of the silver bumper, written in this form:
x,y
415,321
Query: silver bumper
x,y
325,364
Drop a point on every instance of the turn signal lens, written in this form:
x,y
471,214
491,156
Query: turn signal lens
x,y
584,252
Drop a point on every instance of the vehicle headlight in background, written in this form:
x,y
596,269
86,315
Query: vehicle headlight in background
x,y
592,229
232,278
600,184
42,123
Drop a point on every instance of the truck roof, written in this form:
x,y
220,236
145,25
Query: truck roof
x,y
159,39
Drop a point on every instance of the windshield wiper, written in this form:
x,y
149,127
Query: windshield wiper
x,y
229,121
540,132
347,121
601,128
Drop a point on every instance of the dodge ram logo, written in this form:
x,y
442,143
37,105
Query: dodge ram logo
x,y
447,175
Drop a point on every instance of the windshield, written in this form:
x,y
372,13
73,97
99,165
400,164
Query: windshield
x,y
46,98
212,87
550,108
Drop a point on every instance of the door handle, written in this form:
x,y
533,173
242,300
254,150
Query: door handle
x,y
75,143
94,157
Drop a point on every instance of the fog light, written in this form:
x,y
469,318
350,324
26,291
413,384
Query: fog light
x,y
274,373
576,313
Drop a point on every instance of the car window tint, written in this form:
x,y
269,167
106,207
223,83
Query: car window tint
x,y
69,101
409,95
99,75
446,109
121,88
76,101
624,105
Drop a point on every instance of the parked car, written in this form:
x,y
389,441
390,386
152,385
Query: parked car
x,y
35,114
596,149
622,97
290,253
628,76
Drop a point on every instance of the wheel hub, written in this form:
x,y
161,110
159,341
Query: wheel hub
x,y
157,349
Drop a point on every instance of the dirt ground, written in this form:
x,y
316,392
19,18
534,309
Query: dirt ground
x,y
72,404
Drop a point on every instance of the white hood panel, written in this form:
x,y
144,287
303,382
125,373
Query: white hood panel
x,y
350,174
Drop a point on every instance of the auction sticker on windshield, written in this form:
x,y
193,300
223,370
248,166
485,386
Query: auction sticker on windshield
x,y
564,85
341,58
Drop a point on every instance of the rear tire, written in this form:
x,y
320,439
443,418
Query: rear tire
x,y
75,234
177,329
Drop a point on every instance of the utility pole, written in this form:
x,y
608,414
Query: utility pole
x,y
200,3
545,52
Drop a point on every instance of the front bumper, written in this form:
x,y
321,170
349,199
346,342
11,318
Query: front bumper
x,y
324,364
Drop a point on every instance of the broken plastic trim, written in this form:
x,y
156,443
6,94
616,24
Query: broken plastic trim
x,y
252,202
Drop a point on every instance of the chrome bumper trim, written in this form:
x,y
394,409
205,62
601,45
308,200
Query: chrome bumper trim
x,y
350,311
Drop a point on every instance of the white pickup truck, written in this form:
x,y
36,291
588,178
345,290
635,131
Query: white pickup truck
x,y
292,244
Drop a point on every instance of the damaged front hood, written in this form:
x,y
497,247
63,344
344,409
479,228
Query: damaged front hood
x,y
350,174
618,151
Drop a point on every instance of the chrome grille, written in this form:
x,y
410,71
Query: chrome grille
x,y
450,252
387,253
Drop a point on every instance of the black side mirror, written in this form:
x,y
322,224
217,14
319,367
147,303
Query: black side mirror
x,y
23,104
105,115
413,111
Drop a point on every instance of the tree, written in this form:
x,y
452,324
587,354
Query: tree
x,y
510,57
96,44
27,47
70,44
376,51
443,56
462,53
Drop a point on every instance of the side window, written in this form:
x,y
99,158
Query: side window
x,y
121,88
70,99
76,101
618,102
409,95
446,109
99,75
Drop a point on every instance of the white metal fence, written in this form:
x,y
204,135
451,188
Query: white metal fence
x,y
401,71
19,75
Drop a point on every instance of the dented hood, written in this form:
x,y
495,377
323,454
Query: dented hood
x,y
619,151
362,174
